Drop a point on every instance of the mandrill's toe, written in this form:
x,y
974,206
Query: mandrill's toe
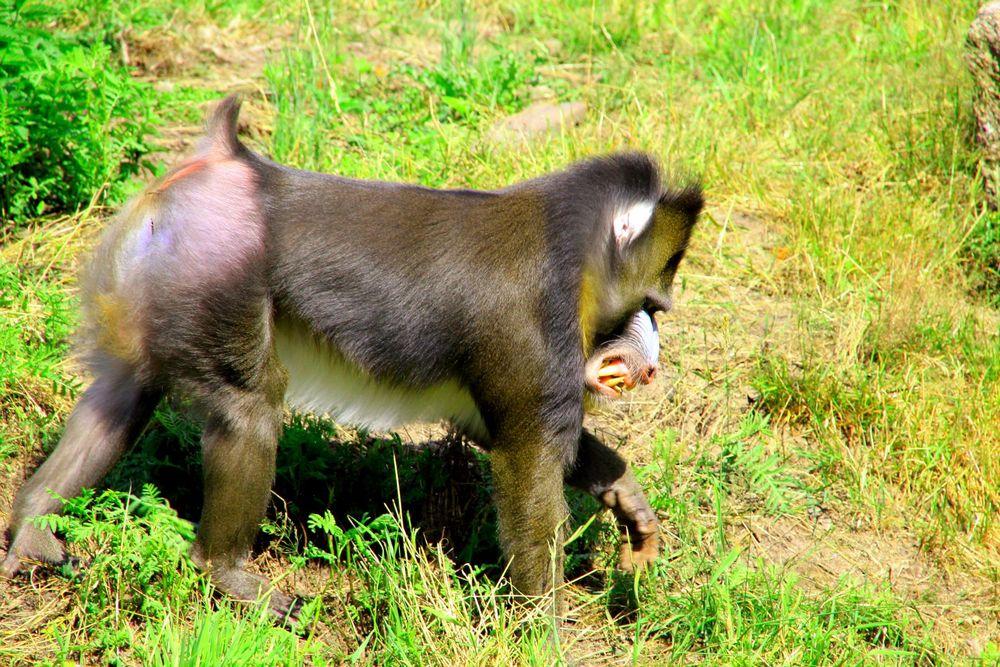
x,y
11,565
286,607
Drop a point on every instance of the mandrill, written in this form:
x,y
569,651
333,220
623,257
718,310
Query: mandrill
x,y
245,284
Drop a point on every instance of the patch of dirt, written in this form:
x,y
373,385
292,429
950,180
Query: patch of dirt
x,y
823,549
205,55
26,609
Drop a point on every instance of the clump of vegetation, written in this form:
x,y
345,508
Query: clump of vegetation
x,y
73,123
731,611
225,636
36,317
134,556
349,113
982,250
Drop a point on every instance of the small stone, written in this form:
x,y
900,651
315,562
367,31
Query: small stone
x,y
538,119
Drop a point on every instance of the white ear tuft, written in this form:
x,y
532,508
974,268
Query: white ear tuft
x,y
629,223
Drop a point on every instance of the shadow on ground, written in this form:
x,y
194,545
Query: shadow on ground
x,y
441,481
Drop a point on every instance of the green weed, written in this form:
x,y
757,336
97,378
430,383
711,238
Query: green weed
x,y
735,464
225,636
407,604
734,614
134,553
363,117
36,316
72,128
982,252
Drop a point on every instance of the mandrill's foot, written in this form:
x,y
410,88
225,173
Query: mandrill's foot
x,y
241,585
32,544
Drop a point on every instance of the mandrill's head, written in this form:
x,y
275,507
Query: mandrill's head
x,y
647,236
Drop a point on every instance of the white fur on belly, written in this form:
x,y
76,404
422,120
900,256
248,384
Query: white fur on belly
x,y
322,382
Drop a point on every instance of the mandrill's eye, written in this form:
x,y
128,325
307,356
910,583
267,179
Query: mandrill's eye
x,y
656,303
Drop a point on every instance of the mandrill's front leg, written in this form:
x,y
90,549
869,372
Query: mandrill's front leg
x,y
602,473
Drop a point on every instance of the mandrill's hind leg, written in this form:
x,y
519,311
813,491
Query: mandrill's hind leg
x,y
240,445
107,419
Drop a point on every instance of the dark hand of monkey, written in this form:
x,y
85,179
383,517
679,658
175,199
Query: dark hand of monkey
x,y
601,472
639,525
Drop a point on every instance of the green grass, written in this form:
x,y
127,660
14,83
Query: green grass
x,y
73,123
36,322
982,250
840,131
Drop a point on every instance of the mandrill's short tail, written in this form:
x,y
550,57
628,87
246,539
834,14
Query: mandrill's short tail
x,y
220,140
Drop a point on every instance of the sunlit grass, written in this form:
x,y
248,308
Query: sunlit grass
x,y
843,128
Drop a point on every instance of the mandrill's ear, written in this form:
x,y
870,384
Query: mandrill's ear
x,y
688,200
630,221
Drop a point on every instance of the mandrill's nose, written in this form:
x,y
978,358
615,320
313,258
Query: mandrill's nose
x,y
647,374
